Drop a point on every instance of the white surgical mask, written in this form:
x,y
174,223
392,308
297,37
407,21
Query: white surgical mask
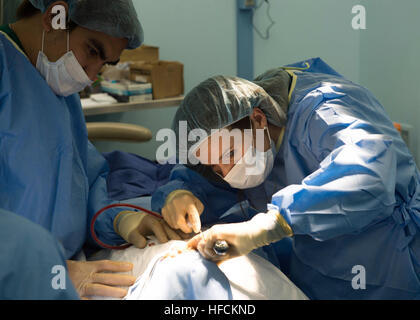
x,y
253,169
65,76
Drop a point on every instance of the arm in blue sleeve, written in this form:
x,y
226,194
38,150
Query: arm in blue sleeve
x,y
215,197
98,198
29,254
354,185
98,170
181,178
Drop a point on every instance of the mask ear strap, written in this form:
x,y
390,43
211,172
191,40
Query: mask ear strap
x,y
265,128
254,142
43,38
68,32
269,136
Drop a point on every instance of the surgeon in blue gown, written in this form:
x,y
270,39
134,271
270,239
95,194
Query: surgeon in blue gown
x,y
335,180
36,267
50,174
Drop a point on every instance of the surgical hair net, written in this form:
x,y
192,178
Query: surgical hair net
x,y
117,18
221,101
276,82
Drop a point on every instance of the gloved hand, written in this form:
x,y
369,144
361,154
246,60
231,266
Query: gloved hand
x,y
243,237
182,210
133,227
93,278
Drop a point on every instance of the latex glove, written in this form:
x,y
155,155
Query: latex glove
x,y
182,210
243,237
134,227
93,278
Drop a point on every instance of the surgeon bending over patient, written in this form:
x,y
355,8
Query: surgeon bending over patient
x,y
332,174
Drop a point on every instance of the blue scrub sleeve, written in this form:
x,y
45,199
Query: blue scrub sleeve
x,y
354,184
98,170
181,178
32,263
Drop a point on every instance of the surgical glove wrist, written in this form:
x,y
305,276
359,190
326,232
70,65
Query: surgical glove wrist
x,y
242,237
126,222
268,228
177,193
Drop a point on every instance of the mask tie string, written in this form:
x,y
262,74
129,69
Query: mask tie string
x,y
68,40
43,38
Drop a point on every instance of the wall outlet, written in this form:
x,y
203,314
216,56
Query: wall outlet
x,y
406,132
247,4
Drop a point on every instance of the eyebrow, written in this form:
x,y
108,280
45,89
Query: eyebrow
x,y
100,47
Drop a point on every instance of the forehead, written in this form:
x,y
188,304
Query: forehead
x,y
112,46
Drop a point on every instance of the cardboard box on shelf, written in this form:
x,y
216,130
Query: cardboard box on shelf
x,y
143,53
119,72
166,77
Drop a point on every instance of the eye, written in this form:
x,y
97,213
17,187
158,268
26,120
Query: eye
x,y
92,51
233,155
229,154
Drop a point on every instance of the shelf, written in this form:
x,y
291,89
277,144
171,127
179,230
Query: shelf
x,y
132,106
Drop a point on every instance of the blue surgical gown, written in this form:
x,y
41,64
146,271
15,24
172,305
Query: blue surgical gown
x,y
32,263
49,172
347,184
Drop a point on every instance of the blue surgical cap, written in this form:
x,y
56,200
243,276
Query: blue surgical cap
x,y
221,101
117,18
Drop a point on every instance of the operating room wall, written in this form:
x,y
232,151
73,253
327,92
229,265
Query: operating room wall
x,y
306,29
199,33
389,60
8,10
202,35
384,57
